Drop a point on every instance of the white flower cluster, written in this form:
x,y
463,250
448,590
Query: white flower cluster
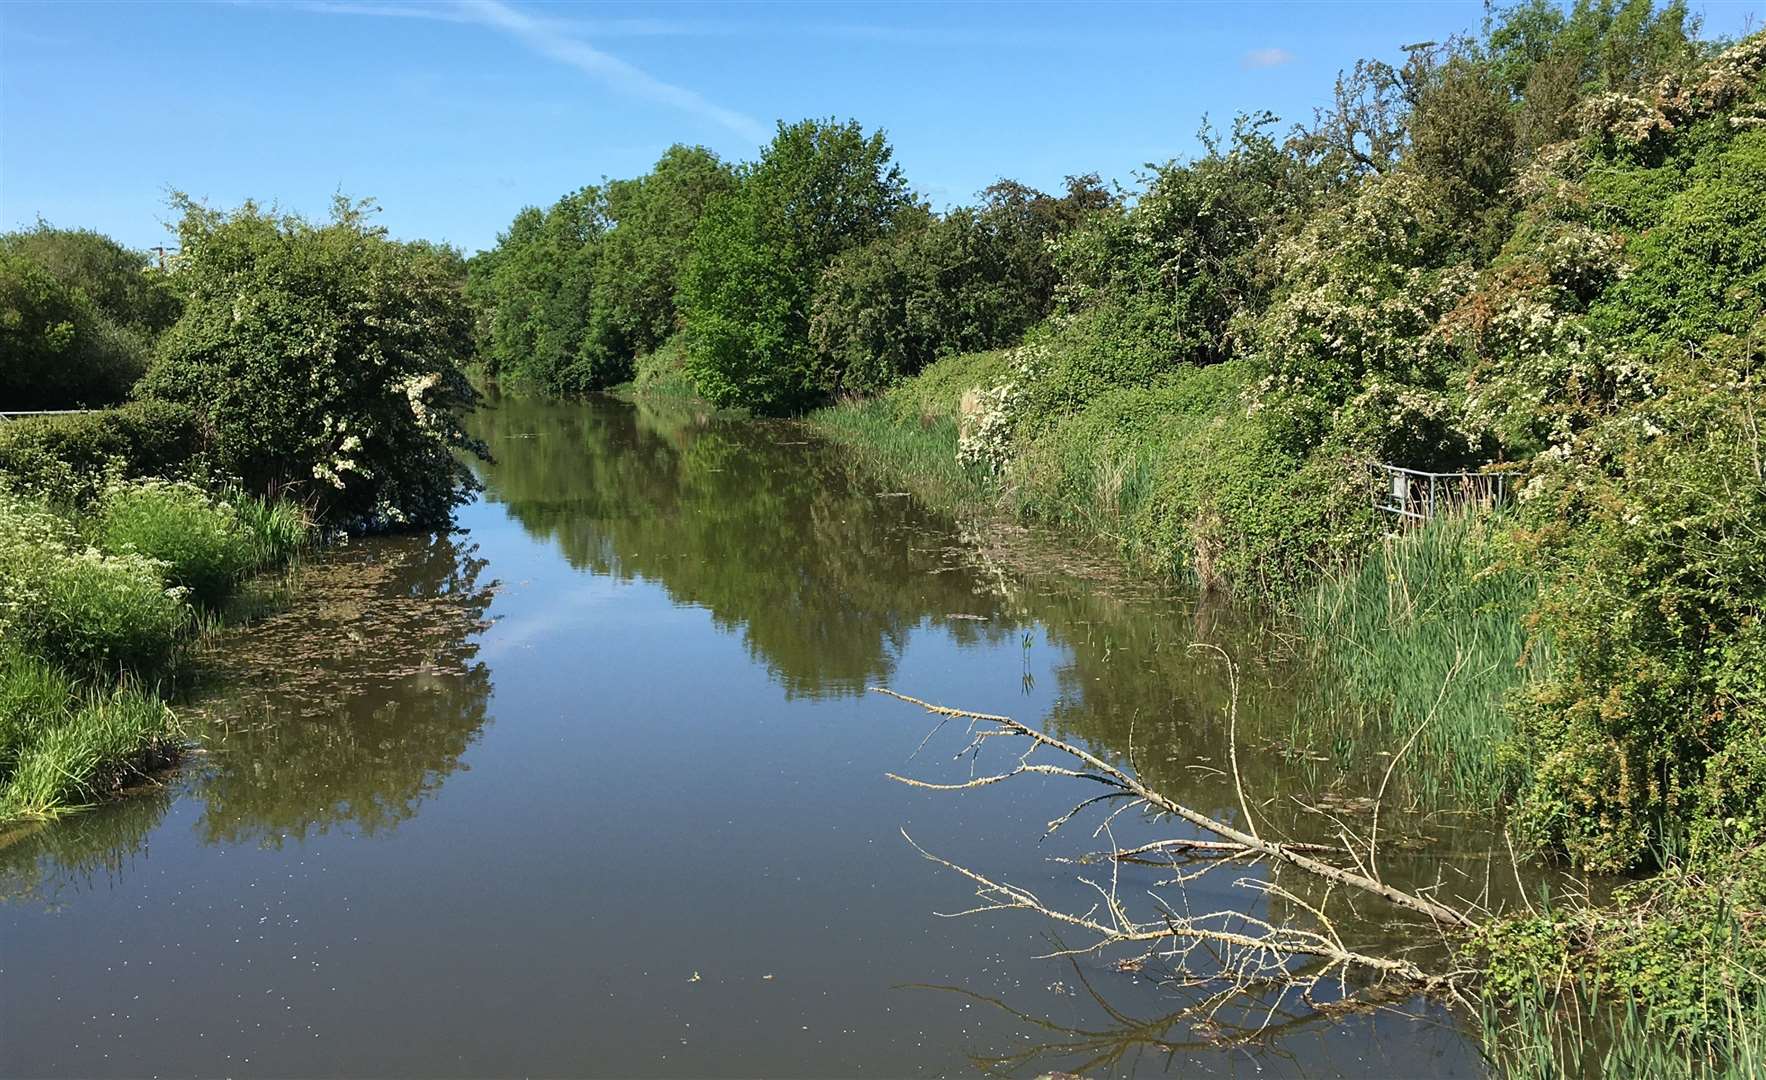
x,y
984,428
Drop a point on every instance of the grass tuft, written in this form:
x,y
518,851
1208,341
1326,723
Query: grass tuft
x,y
1424,637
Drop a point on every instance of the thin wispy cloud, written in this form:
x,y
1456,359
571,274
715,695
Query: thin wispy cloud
x,y
1265,58
564,43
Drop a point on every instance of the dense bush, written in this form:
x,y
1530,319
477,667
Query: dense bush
x,y
325,359
969,280
202,545
78,316
57,350
123,285
571,295
69,458
1651,547
73,604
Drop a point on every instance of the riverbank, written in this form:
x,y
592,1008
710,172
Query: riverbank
x,y
108,584
1427,653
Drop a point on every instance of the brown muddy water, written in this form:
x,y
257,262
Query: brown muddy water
x,y
593,787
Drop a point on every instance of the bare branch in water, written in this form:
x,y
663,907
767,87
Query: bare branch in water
x,y
1096,770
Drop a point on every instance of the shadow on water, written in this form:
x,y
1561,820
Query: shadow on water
x,y
627,776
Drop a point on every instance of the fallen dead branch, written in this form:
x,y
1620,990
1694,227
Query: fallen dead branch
x,y
1122,785
1234,952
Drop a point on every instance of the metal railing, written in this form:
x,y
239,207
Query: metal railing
x,y
20,414
1414,495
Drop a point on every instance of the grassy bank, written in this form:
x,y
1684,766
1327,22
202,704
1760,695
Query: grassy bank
x,y
1419,647
104,584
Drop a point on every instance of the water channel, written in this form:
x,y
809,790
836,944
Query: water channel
x,y
594,786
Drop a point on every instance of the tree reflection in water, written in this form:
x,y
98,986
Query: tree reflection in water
x,y
353,704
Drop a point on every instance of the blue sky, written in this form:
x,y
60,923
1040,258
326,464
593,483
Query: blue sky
x,y
456,114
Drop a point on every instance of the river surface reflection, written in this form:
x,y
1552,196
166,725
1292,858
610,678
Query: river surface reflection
x,y
594,787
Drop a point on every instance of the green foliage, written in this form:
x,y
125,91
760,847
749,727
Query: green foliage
x,y
1421,643
653,219
1649,538
663,370
970,280
203,546
325,360
62,743
122,284
535,290
1175,271
77,606
78,316
68,458
57,351
937,392
572,294
923,455
819,189
1181,473
1666,978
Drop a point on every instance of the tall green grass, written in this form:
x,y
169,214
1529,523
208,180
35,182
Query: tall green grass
x,y
66,742
1559,1030
1421,643
98,607
920,454
203,545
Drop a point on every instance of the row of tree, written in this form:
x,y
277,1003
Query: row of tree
x,y
815,270
807,273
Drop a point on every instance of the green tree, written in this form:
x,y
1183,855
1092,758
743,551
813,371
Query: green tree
x,y
325,358
122,284
820,188
57,350
632,310
535,290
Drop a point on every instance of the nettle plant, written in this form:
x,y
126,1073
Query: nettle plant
x,y
325,359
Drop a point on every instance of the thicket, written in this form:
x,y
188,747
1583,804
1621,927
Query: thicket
x,y
79,314
298,372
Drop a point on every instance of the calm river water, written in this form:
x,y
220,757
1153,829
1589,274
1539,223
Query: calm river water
x,y
594,787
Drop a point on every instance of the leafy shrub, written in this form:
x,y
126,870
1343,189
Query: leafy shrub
x,y
1182,473
202,544
58,351
325,359
1364,285
937,392
535,291
1176,270
77,606
67,458
663,370
1649,535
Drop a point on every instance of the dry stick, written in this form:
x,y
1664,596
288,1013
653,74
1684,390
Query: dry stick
x,y
1004,896
1205,845
1108,774
1232,731
1373,838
